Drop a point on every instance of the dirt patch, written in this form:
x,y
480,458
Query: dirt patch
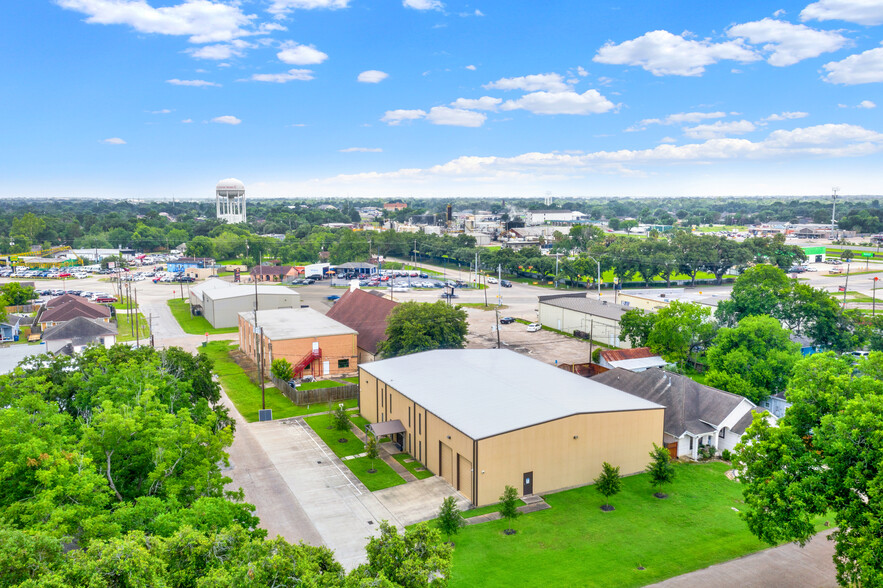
x,y
607,508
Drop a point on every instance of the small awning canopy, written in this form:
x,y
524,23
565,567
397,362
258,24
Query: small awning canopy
x,y
387,428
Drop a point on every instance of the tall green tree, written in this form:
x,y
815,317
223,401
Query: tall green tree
x,y
417,558
418,326
680,329
822,459
754,359
450,519
635,327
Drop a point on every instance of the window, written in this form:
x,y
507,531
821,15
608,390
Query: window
x,y
691,443
723,433
419,423
390,401
409,417
420,451
343,363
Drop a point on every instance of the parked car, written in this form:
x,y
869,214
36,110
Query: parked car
x,y
507,320
506,283
492,280
333,297
534,327
104,299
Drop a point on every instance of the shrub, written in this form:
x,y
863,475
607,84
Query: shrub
x,y
596,355
509,507
726,455
608,483
341,419
450,519
281,368
661,469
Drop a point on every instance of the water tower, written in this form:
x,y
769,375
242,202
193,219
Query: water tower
x,y
230,195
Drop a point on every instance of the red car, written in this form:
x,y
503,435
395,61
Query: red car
x,y
106,299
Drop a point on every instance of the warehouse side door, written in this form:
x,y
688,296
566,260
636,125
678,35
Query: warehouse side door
x,y
446,463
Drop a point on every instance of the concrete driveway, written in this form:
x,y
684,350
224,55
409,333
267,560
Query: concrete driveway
x,y
343,512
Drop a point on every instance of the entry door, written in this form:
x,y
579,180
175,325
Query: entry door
x,y
528,484
326,368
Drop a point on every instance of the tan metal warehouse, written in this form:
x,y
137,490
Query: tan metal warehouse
x,y
487,418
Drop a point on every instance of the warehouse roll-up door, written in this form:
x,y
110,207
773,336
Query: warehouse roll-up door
x,y
446,463
464,477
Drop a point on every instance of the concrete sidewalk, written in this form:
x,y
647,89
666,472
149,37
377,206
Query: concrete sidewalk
x,y
786,566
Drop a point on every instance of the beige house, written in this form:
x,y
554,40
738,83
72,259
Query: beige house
x,y
576,312
487,418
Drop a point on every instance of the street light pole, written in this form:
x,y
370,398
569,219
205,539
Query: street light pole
x,y
874,297
599,275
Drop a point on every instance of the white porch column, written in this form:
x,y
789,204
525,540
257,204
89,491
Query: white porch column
x,y
694,453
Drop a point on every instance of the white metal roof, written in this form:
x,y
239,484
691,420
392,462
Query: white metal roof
x,y
238,291
486,392
296,323
639,363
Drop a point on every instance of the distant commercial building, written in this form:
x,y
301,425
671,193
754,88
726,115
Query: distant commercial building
x,y
394,206
313,343
576,312
230,201
273,273
182,264
221,306
484,419
538,217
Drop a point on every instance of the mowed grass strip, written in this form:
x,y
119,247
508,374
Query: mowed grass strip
x,y
384,477
319,384
331,437
412,466
352,380
475,512
576,544
194,325
246,395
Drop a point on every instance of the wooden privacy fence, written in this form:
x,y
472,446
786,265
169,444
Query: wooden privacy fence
x,y
315,395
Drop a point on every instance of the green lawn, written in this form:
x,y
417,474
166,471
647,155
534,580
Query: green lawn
x,y
384,477
475,512
481,306
319,384
412,466
246,395
124,328
194,325
352,380
359,421
331,437
576,544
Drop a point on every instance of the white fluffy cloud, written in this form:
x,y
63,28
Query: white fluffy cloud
x,y
362,150
221,51
861,68
194,83
471,67
423,4
227,119
301,75
483,103
786,116
162,111
395,117
865,12
296,54
866,104
589,102
677,119
834,140
283,7
113,141
787,43
550,82
662,53
187,121
203,21
372,76
719,129
457,117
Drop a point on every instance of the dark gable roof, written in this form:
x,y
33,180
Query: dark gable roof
x,y
364,313
73,309
621,354
79,328
63,299
688,406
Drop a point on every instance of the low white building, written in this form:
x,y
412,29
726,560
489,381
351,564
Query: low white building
x,y
577,312
539,217
221,303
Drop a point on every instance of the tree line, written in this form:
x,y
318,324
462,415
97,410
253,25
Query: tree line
x,y
111,475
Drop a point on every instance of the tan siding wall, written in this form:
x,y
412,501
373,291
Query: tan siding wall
x,y
557,460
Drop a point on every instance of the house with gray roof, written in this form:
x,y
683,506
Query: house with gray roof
x,y
74,335
694,414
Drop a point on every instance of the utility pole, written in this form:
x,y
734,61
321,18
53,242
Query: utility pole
x,y
497,313
833,210
845,286
591,339
499,285
874,296
137,326
150,327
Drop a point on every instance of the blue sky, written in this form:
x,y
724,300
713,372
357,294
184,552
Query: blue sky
x,y
397,98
